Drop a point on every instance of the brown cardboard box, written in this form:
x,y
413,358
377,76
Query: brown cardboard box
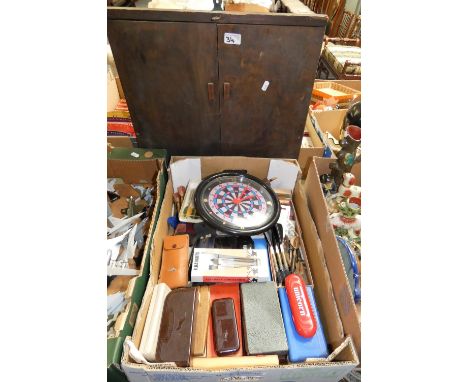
x,y
343,360
316,201
134,166
120,141
353,84
327,121
316,147
244,7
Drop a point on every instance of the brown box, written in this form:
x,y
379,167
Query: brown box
x,y
331,123
245,7
353,84
338,364
349,313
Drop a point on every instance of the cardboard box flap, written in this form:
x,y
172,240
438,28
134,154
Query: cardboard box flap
x,y
284,174
324,295
344,352
341,288
185,169
327,371
161,231
330,120
134,165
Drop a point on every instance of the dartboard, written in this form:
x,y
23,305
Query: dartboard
x,y
237,203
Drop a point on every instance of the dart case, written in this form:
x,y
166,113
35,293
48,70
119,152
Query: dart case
x,y
342,357
175,257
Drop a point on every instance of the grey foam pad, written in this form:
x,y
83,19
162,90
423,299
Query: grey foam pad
x,y
261,319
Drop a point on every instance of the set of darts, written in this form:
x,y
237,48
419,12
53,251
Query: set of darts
x,y
285,252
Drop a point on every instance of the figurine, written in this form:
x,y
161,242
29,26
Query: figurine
x,y
347,188
352,117
346,157
328,185
347,222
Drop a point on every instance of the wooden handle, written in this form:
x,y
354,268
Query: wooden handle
x,y
227,90
210,91
218,363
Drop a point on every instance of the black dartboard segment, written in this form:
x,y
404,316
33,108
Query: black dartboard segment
x,y
236,203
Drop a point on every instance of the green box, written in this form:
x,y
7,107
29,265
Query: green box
x,y
135,165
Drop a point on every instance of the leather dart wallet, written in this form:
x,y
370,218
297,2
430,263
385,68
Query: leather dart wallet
x,y
175,334
175,258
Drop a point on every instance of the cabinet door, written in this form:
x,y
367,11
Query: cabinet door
x,y
169,74
266,77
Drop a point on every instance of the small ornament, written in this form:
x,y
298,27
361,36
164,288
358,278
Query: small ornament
x,y
347,188
347,222
328,184
346,157
352,117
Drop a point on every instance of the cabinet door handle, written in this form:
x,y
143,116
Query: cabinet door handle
x,y
227,90
210,91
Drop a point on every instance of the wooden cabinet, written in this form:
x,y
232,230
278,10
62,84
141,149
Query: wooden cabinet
x,y
217,83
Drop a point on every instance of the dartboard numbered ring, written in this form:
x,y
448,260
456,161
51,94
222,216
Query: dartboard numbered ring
x,y
237,203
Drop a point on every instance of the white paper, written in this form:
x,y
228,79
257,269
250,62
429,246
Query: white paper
x,y
115,302
131,244
285,173
232,38
134,154
185,170
117,271
113,246
123,224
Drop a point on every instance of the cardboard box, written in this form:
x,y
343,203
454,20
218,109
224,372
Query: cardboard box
x,y
340,362
323,122
353,84
349,313
314,147
116,141
134,166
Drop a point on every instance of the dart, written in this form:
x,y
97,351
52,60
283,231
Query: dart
x,y
280,236
277,233
295,245
281,273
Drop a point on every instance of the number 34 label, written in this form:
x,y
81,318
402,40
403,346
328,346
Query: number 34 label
x,y
232,38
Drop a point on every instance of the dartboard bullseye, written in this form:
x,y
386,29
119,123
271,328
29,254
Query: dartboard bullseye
x,y
237,203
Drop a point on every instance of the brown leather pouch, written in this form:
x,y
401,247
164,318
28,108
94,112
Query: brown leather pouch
x,y
175,258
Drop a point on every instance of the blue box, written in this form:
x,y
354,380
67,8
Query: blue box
x,y
300,347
